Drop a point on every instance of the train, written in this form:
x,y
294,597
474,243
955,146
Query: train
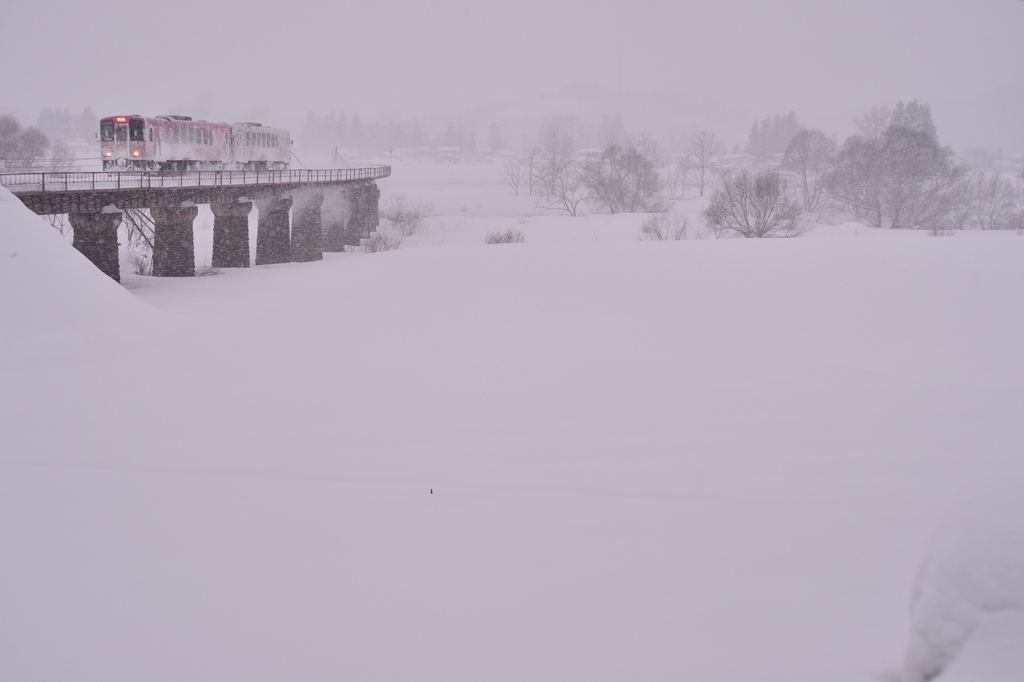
x,y
179,143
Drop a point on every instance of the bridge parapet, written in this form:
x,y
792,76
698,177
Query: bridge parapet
x,y
51,193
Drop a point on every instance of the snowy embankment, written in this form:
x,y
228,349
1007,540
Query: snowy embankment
x,y
714,460
50,295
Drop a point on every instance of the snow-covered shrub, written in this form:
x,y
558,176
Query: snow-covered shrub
x,y
751,204
381,241
505,237
142,261
404,217
664,227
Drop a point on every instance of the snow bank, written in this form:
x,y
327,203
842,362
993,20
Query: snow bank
x,y
49,292
708,460
974,569
994,652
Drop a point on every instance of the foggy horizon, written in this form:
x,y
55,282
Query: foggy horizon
x,y
666,68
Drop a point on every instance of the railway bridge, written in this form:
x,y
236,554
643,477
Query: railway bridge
x,y
300,213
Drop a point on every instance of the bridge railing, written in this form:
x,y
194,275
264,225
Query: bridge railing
x,y
103,180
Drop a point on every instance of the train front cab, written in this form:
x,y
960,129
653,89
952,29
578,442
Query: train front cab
x,y
123,142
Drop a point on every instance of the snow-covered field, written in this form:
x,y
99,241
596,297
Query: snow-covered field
x,y
584,457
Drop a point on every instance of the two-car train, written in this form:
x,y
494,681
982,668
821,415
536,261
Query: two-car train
x,y
179,143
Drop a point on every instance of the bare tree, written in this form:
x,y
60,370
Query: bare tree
x,y
61,158
531,167
59,222
555,156
140,227
512,174
704,146
624,179
902,179
21,149
810,156
754,205
993,202
404,217
873,122
569,192
677,173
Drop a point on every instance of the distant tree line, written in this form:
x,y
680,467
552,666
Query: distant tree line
x,y
26,149
893,173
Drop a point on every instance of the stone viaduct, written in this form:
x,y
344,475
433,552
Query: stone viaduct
x,y
300,213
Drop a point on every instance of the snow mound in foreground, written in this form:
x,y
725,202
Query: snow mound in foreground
x,y
993,653
969,591
46,286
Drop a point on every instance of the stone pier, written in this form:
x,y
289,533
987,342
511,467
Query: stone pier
x,y
365,210
174,249
351,212
231,233
273,240
96,238
337,211
307,230
372,207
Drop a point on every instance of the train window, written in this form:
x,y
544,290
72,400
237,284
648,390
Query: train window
x,y
122,134
107,131
136,130
150,133
209,136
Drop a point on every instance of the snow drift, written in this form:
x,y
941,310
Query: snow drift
x,y
50,293
973,573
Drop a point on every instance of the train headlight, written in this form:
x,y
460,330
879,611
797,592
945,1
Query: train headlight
x,y
108,153
135,153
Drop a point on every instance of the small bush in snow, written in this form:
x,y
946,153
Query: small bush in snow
x,y
754,204
505,237
664,227
404,217
381,241
142,263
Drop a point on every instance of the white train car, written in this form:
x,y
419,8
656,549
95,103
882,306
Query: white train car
x,y
178,143
255,145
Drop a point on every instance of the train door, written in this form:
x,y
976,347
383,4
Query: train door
x,y
121,138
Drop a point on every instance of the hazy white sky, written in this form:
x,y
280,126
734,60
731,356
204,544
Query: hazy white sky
x,y
664,64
